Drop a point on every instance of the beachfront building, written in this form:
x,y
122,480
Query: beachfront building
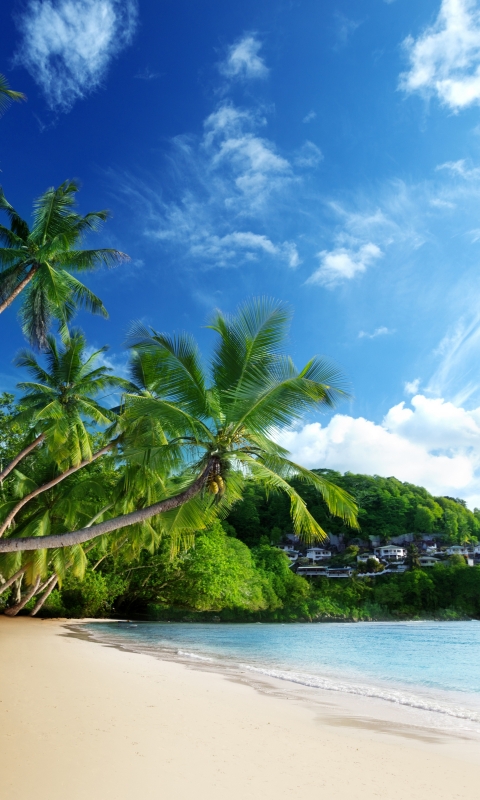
x,y
390,551
427,561
339,572
395,568
318,554
318,571
312,571
362,558
290,552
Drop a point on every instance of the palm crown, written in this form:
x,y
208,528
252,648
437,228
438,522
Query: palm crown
x,y
227,419
62,398
40,261
191,439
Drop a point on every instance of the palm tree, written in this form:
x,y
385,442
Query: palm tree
x,y
40,261
7,95
75,501
217,429
57,406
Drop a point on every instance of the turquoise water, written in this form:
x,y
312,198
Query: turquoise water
x,y
433,666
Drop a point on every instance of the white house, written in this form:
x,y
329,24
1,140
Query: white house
x,y
312,571
427,561
292,554
318,554
340,572
396,568
456,550
392,551
364,557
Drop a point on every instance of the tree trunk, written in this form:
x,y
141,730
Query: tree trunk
x,y
19,288
21,455
85,534
18,588
49,587
13,611
46,486
14,577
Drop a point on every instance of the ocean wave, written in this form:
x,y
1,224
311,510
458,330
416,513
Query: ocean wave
x,y
193,655
381,693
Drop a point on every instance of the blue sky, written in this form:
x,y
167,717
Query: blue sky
x,y
327,155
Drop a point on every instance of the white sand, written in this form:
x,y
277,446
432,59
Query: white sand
x,y
81,721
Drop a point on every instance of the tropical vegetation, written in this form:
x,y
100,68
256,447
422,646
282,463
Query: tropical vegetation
x,y
38,261
8,95
181,444
163,494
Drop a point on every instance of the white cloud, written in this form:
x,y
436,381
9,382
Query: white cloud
x,y
343,264
309,156
310,116
411,387
382,331
460,169
231,143
224,189
224,249
445,58
67,45
147,74
433,444
243,60
456,375
345,28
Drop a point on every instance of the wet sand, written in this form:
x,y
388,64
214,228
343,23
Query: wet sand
x,y
85,721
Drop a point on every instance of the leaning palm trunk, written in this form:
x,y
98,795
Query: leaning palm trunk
x,y
48,588
110,525
46,486
50,584
13,611
18,574
19,288
22,454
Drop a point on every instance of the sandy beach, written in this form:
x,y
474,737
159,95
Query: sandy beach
x,y
89,722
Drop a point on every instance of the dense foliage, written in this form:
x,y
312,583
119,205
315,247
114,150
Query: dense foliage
x,y
387,508
233,572
221,578
170,503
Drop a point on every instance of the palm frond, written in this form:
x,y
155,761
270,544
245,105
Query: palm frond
x,y
250,339
9,280
180,376
17,224
51,210
82,297
304,524
8,95
86,260
338,501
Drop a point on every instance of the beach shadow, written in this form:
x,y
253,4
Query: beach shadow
x,y
426,735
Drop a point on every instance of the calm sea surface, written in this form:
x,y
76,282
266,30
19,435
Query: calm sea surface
x,y
433,666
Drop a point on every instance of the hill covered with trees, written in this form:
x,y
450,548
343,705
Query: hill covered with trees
x,y
386,508
234,571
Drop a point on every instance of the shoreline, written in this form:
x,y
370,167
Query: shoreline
x,y
88,720
409,707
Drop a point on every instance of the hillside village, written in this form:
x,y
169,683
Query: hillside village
x,y
334,560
